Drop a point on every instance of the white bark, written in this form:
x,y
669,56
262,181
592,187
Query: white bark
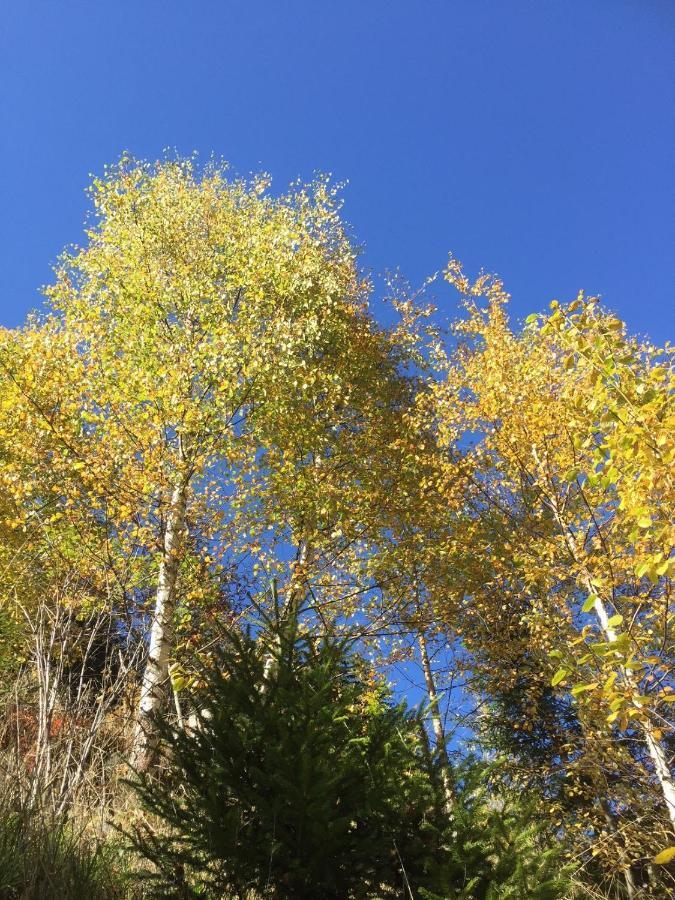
x,y
663,773
156,674
179,711
436,721
654,746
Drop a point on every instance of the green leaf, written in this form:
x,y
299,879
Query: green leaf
x,y
614,621
558,677
621,642
652,574
580,688
590,603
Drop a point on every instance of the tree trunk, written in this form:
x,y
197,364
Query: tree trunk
x,y
654,746
156,674
436,722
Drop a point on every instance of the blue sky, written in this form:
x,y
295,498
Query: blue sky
x,y
536,139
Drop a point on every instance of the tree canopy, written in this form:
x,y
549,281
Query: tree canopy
x,y
210,406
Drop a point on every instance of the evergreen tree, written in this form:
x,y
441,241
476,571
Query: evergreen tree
x,y
310,782
306,784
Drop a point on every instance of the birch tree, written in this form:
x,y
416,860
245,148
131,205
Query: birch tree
x,y
225,347
567,453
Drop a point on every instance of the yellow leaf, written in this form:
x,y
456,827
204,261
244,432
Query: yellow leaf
x,y
665,856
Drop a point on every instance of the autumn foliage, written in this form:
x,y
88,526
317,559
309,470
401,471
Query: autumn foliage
x,y
209,419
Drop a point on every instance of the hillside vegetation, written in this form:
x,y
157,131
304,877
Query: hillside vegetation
x,y
296,604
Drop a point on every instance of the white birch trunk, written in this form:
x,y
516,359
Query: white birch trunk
x,y
654,747
436,722
156,674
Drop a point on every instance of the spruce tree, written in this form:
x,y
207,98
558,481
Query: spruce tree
x,y
303,779
308,784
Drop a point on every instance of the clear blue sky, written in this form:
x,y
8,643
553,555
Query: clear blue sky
x,y
533,138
